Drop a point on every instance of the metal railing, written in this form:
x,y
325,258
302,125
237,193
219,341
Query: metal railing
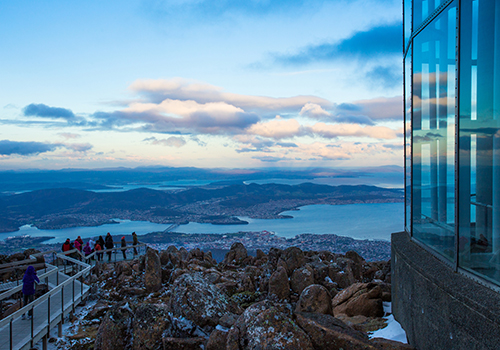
x,y
12,328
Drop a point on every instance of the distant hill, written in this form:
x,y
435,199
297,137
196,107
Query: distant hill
x,y
64,207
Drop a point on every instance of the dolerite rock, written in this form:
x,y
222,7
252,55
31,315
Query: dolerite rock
x,y
152,277
279,285
386,344
114,333
265,326
327,332
236,254
315,298
359,299
199,301
217,340
150,322
294,258
183,343
301,278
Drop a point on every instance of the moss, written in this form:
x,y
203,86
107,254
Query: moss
x,y
245,299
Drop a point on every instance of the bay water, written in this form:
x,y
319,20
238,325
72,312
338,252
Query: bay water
x,y
359,221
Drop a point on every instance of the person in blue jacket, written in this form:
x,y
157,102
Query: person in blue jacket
x,y
29,280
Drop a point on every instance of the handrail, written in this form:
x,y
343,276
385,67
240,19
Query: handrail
x,y
16,263
20,287
5,321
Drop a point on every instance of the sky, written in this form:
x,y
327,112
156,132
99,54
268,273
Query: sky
x,y
226,83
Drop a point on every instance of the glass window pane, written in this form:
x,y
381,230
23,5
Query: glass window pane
x,y
407,91
423,9
433,123
479,142
407,20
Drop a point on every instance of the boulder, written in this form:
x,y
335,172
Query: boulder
x,y
359,299
217,339
152,277
327,332
386,344
315,298
199,301
114,333
236,254
197,343
150,322
302,278
264,326
294,258
279,285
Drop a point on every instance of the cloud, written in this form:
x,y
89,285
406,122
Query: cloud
x,y
78,147
337,130
313,110
44,111
270,159
25,148
386,77
381,41
68,135
277,128
28,148
381,108
176,116
172,141
160,90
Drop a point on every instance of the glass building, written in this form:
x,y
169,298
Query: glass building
x,y
452,132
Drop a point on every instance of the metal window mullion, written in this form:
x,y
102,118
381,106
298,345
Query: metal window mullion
x,y
457,133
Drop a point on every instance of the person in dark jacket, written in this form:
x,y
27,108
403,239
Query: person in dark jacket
x,y
109,244
101,242
124,244
29,280
135,241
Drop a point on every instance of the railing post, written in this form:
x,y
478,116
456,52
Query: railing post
x,y
62,305
32,321
48,314
73,290
10,334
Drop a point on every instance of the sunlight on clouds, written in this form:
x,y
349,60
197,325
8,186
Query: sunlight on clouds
x,y
277,128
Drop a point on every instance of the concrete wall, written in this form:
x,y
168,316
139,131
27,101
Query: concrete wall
x,y
437,307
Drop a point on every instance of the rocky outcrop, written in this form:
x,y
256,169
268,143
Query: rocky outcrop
x,y
287,299
315,298
302,278
265,326
327,332
199,301
115,330
279,285
152,277
359,299
236,255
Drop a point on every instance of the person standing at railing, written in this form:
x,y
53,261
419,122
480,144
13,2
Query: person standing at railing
x,y
124,244
101,242
29,280
98,249
109,244
79,243
135,241
87,249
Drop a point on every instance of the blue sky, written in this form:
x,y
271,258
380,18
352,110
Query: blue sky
x,y
200,83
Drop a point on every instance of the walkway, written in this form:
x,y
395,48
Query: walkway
x,y
66,291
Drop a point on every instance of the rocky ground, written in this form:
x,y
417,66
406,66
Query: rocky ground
x,y
286,299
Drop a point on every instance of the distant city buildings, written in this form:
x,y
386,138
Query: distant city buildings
x,y
452,182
